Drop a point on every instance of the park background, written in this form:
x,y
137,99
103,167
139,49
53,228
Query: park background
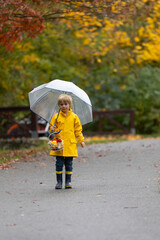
x,y
108,48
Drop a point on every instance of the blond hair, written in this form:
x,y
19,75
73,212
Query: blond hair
x,y
65,98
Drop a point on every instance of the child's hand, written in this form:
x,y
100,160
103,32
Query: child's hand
x,y
53,128
83,144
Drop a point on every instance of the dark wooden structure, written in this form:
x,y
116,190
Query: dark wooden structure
x,y
109,116
30,130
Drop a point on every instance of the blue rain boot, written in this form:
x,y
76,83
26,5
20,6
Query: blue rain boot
x,y
59,181
68,181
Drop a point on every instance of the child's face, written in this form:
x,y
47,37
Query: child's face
x,y
64,106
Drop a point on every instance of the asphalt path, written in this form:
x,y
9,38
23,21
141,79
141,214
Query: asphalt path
x,y
115,195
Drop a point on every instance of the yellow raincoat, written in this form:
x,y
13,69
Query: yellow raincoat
x,y
71,132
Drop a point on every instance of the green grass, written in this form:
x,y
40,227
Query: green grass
x,y
154,135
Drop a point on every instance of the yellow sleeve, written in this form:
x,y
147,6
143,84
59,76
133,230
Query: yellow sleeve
x,y
78,129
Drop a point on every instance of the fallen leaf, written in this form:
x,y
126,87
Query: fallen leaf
x,y
10,225
130,207
81,160
42,164
149,146
99,195
156,165
9,193
128,165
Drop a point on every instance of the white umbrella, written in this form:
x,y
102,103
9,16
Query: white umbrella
x,y
43,100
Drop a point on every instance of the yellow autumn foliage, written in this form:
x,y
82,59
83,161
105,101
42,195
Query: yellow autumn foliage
x,y
105,35
108,138
122,87
97,86
122,39
30,58
25,47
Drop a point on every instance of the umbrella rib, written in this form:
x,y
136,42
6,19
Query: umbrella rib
x,y
65,92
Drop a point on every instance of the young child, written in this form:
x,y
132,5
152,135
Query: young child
x,y
71,129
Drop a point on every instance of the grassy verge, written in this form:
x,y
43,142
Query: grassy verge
x,y
7,157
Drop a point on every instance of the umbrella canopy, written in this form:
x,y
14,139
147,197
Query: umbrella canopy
x,y
43,100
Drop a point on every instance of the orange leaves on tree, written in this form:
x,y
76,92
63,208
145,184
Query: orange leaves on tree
x,y
16,18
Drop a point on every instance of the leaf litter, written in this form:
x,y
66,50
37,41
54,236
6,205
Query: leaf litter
x,y
27,155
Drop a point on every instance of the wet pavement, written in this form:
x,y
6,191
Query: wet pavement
x,y
115,195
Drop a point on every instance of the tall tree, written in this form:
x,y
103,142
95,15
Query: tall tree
x,y
28,16
18,17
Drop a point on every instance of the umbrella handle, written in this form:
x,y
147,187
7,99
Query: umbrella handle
x,y
56,132
57,118
52,135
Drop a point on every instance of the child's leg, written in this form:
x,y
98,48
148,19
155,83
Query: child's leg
x,y
59,171
68,167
